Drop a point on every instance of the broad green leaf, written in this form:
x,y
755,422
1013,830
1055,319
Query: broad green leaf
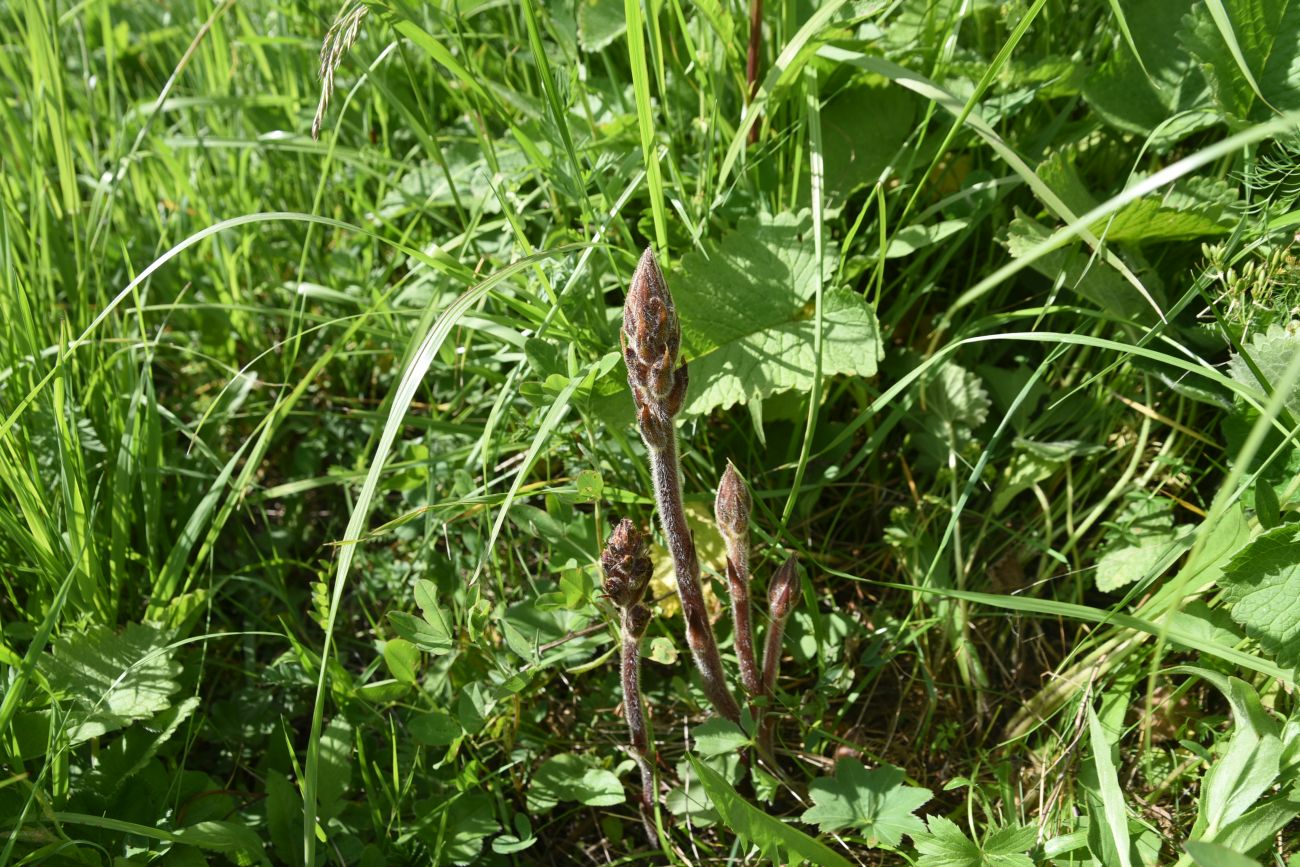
x,y
747,315
401,657
1139,100
719,737
1262,586
111,679
1103,287
239,842
863,126
1271,352
570,777
436,728
336,751
770,835
1112,795
284,817
124,756
470,819
1247,767
944,845
958,398
431,632
1213,855
876,803
1191,208
908,241
1267,39
600,22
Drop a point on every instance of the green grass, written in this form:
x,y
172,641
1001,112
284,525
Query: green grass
x,y
259,392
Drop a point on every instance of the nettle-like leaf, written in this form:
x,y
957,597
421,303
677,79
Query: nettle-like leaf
x,y
1141,96
1262,584
748,320
112,679
1267,36
719,737
958,398
1146,539
1271,351
876,803
944,845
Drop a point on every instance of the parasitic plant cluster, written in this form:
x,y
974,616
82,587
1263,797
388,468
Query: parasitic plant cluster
x,y
651,340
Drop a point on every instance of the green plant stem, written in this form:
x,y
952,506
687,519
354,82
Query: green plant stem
x,y
666,474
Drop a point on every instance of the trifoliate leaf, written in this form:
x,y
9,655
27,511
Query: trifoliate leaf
x,y
1262,584
875,803
944,845
112,679
748,316
570,777
1271,352
1267,37
719,737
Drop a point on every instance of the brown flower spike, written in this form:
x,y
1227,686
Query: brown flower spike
x,y
627,567
782,596
651,339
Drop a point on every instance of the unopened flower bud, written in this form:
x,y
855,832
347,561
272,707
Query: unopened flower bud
x,y
783,592
732,505
651,337
626,563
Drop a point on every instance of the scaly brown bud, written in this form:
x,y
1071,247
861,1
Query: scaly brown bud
x,y
651,338
732,505
627,565
783,592
636,618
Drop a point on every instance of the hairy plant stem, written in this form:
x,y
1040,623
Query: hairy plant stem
x,y
634,710
665,472
771,666
738,582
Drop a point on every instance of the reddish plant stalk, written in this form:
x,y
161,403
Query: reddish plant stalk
x,y
632,628
782,595
651,338
732,509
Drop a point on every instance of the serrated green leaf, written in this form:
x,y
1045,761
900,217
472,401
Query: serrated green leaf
x,y
957,397
1140,100
875,803
944,845
111,679
719,737
1271,352
772,836
1267,38
1262,586
747,315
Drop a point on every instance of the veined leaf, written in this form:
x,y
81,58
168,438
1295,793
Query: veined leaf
x,y
1262,584
746,308
876,803
769,834
944,845
1266,34
112,679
